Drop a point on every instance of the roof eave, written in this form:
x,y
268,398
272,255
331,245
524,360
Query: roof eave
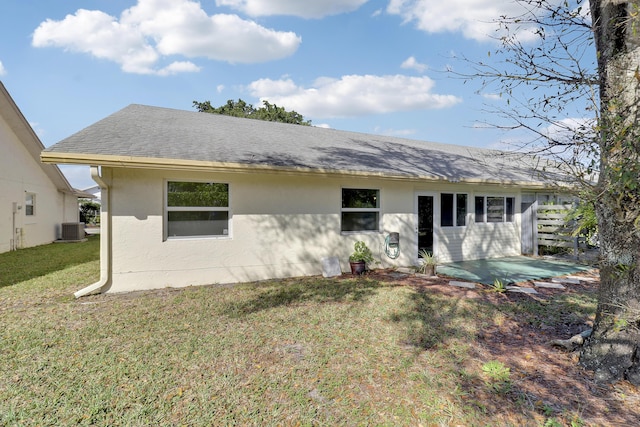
x,y
229,167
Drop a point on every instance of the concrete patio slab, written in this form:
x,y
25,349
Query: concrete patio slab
x,y
510,269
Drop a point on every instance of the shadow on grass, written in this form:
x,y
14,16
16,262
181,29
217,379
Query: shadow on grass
x,y
433,320
25,264
302,290
468,338
447,328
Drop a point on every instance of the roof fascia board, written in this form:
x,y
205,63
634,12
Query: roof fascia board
x,y
206,166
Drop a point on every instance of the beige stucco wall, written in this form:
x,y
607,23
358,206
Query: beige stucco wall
x,y
281,225
21,174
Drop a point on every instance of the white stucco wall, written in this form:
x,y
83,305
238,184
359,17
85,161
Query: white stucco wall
x,y
21,174
281,226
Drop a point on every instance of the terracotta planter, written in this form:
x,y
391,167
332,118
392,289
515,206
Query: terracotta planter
x,y
357,267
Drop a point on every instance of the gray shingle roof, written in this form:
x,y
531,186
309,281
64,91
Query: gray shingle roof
x,y
139,131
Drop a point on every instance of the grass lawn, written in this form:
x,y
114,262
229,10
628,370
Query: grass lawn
x,y
308,351
25,264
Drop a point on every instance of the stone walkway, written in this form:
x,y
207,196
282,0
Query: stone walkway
x,y
559,283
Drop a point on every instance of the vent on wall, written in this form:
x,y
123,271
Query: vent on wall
x,y
73,231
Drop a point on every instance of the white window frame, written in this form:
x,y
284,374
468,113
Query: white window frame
x,y
455,210
30,203
362,210
168,209
485,207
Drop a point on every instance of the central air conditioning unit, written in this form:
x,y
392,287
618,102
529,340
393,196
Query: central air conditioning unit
x,y
73,231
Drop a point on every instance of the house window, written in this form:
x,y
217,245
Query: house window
x,y
360,209
446,210
453,210
494,209
30,204
509,209
461,210
480,217
197,209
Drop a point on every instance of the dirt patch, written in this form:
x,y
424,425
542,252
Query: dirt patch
x,y
545,377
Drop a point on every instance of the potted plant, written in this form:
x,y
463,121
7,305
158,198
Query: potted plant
x,y
428,263
360,257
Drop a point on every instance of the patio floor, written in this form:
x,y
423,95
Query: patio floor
x,y
512,269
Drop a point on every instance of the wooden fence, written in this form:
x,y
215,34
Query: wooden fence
x,y
553,229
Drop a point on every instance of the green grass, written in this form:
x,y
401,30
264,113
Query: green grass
x,y
309,351
25,264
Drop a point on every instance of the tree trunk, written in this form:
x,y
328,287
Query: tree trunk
x,y
613,350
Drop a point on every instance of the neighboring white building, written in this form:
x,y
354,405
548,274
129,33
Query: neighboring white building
x,y
94,191
35,198
193,198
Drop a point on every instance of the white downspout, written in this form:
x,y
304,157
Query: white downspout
x,y
105,237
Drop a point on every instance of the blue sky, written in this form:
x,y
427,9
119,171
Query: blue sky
x,y
373,66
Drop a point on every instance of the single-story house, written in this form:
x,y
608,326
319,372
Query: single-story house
x,y
35,198
193,198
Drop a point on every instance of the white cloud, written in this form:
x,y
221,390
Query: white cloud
x,y
411,63
178,67
303,9
395,132
570,128
492,96
155,29
353,95
3,70
475,19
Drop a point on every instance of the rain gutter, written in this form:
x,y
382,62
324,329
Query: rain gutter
x,y
105,238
